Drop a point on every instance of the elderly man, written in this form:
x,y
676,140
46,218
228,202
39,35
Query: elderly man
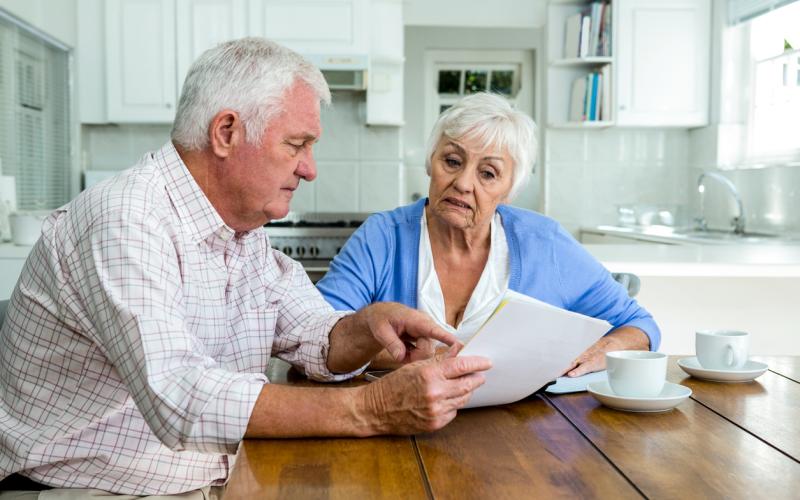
x,y
136,341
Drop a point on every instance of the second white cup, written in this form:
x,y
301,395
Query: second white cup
x,y
721,349
636,374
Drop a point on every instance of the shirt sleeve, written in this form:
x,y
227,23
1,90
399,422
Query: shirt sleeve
x,y
588,288
356,273
304,324
130,284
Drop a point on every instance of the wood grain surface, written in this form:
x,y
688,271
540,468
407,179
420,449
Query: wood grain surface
x,y
384,467
788,366
523,450
687,452
767,407
730,440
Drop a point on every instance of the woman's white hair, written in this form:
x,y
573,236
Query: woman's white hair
x,y
249,76
491,120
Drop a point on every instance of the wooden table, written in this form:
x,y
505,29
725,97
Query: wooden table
x,y
726,441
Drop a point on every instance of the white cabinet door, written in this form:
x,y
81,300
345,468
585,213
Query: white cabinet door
x,y
663,71
313,26
140,60
202,24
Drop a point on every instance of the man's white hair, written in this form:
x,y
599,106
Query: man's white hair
x,y
249,76
494,123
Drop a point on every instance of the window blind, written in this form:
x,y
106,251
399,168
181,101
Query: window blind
x,y
34,116
740,11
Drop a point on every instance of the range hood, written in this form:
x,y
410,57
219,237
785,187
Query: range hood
x,y
342,71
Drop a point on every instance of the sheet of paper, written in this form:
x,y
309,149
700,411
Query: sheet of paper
x,y
566,385
530,344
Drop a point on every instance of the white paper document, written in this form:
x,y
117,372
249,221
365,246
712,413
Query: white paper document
x,y
530,344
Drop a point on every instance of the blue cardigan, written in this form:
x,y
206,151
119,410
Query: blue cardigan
x,y
379,263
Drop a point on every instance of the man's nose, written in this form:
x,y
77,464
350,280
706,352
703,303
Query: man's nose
x,y
307,167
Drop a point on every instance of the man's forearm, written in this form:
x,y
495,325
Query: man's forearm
x,y
282,411
351,344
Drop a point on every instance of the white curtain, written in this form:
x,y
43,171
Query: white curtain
x,y
740,11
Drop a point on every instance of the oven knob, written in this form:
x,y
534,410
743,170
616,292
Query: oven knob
x,y
287,250
301,251
313,251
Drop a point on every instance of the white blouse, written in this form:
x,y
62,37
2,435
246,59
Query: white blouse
x,y
488,292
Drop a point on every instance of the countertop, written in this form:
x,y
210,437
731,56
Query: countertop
x,y
701,260
644,260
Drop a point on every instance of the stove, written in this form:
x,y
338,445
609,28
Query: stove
x,y
313,238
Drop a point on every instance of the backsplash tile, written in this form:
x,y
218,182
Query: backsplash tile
x,y
380,185
590,172
349,154
337,186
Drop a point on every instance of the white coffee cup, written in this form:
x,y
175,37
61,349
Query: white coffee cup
x,y
636,374
721,349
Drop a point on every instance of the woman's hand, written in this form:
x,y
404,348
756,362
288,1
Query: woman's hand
x,y
624,338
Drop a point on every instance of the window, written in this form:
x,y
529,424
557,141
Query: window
x,y
761,89
34,116
452,74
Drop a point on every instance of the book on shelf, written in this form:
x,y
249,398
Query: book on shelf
x,y
588,33
591,96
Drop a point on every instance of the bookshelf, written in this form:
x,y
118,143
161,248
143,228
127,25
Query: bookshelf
x,y
563,69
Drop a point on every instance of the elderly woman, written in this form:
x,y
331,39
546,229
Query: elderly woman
x,y
454,254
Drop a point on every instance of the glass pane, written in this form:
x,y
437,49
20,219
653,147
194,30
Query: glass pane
x,y
475,81
449,81
502,82
444,107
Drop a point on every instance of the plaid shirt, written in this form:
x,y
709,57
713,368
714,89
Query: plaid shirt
x,y
136,340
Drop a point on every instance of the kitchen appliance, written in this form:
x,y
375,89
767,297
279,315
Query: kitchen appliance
x,y
313,238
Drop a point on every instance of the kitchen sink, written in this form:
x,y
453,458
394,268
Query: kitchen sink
x,y
666,234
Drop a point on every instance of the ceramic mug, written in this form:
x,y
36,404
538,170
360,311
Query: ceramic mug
x,y
636,374
721,349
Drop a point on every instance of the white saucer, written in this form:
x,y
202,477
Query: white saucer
x,y
748,372
671,395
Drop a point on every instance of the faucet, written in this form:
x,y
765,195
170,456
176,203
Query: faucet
x,y
738,221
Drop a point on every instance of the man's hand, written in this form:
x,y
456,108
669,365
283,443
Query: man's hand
x,y
594,358
407,335
422,396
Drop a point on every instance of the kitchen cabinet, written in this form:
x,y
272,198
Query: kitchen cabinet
x,y
140,60
202,24
663,70
385,96
150,45
659,63
312,26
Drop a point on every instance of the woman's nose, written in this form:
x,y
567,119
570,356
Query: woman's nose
x,y
463,180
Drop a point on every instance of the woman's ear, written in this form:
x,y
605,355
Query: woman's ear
x,y
225,133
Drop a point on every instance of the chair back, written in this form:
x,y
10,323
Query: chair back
x,y
630,281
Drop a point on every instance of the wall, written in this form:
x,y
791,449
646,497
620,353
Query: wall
x,y
420,39
589,172
56,18
359,167
475,13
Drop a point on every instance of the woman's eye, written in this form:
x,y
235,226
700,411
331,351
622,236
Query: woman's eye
x,y
452,162
488,174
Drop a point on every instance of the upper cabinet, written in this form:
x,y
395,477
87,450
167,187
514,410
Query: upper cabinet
x,y
312,26
140,60
628,63
663,71
150,45
202,24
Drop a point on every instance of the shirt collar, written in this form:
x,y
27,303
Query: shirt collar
x,y
194,209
